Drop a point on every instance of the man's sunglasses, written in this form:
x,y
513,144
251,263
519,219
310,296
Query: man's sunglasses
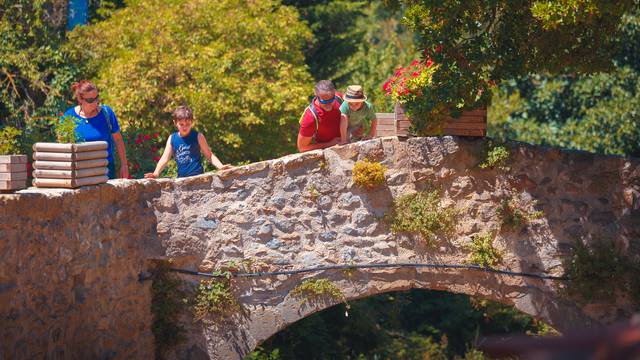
x,y
90,100
328,101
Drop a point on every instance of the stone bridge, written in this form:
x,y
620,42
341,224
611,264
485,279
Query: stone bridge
x,y
70,260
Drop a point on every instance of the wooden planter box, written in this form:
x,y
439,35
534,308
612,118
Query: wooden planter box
x,y
70,165
13,172
470,123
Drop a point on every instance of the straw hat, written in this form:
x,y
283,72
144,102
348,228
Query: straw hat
x,y
354,94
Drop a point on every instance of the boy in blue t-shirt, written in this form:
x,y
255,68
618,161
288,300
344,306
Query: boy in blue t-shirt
x,y
186,146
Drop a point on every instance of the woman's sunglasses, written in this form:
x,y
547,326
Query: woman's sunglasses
x,y
90,100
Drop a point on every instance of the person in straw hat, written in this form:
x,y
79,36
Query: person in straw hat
x,y
358,120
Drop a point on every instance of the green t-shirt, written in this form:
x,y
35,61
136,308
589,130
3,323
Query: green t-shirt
x,y
361,118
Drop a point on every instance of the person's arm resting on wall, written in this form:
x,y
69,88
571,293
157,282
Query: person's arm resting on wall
x,y
166,155
305,136
206,151
305,143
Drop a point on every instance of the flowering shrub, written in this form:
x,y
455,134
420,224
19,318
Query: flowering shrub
x,y
143,152
408,83
431,92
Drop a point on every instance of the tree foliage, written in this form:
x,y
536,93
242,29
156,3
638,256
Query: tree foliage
x,y
35,73
597,112
238,64
476,42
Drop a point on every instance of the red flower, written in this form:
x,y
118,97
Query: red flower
x,y
415,62
139,136
138,140
429,63
154,149
147,137
386,86
415,74
438,48
155,135
156,158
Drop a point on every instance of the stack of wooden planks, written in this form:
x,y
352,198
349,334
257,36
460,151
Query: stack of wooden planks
x,y
13,172
70,165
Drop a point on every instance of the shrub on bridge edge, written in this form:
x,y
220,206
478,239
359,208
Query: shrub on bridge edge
x,y
368,174
421,213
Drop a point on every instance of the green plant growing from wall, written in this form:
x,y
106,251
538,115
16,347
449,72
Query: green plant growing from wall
x,y
422,213
323,165
513,214
313,193
600,272
496,156
214,298
318,289
482,251
65,131
168,301
9,140
368,174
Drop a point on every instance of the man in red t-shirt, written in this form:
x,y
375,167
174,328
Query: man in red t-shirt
x,y
326,130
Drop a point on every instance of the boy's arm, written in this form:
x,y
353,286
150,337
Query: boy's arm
x,y
166,155
344,124
206,151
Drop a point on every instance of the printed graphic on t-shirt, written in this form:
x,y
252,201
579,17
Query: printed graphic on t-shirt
x,y
183,154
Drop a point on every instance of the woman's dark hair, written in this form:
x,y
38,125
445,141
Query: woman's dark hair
x,y
182,113
82,87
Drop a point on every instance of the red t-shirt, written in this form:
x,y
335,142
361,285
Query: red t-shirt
x,y
328,123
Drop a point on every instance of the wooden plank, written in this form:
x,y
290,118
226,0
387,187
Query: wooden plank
x,y
52,156
70,174
465,125
13,167
70,183
465,132
69,165
90,155
385,133
13,159
10,176
70,148
468,118
13,184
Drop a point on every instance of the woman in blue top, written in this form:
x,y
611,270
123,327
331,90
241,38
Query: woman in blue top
x,y
186,146
95,122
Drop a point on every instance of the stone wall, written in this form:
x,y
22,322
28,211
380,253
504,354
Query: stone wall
x,y
69,265
70,259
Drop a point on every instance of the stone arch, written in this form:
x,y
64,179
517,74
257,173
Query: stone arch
x,y
263,319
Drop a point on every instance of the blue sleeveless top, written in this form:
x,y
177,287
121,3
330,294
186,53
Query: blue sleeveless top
x,y
186,151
